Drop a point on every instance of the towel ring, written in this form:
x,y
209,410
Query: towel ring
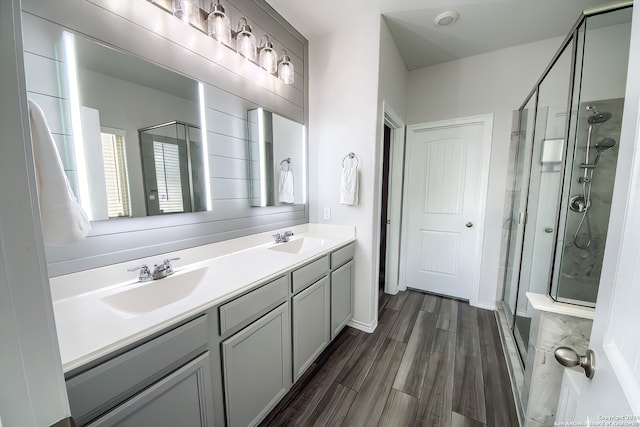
x,y
351,156
287,163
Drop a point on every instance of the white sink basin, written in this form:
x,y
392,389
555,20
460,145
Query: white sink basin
x,y
149,296
299,245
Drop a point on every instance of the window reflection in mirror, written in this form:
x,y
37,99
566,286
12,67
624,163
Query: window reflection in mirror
x,y
123,92
277,159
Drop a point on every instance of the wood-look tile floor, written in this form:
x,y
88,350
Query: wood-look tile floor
x,y
431,361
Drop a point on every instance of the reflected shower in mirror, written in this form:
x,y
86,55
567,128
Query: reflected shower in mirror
x,y
122,167
173,176
277,159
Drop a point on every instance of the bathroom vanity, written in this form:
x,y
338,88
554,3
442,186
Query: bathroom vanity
x,y
218,343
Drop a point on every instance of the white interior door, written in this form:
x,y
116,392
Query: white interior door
x,y
445,194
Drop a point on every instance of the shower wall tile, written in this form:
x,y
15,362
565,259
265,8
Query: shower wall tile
x,y
543,377
557,329
580,269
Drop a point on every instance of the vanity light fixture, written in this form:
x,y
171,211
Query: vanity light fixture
x,y
219,25
246,41
188,11
268,56
285,69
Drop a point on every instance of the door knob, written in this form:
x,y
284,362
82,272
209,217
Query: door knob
x,y
569,358
469,224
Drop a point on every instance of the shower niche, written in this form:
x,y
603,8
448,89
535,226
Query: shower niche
x,y
563,158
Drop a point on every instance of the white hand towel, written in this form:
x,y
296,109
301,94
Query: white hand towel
x,y
349,186
285,189
63,219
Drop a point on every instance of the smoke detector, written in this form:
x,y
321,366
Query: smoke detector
x,y
447,18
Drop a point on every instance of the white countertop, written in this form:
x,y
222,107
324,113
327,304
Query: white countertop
x,y
89,328
546,303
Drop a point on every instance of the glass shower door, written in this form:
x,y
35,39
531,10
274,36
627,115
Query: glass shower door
x,y
519,162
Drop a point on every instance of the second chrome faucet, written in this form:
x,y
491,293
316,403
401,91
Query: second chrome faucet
x,y
283,238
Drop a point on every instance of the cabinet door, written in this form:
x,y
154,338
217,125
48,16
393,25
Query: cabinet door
x,y
311,328
341,297
182,398
257,368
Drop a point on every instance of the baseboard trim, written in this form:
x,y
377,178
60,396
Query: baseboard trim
x,y
365,327
66,422
486,306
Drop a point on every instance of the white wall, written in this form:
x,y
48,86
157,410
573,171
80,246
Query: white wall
x,y
343,98
351,74
393,73
496,82
32,390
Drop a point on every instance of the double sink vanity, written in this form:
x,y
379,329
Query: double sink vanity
x,y
219,342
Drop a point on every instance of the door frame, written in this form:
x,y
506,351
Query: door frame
x,y
396,176
486,120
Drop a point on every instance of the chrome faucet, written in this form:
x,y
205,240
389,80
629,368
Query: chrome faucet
x,y
160,271
283,238
145,273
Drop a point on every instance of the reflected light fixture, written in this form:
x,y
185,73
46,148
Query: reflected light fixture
x,y
285,69
219,25
246,41
187,10
268,56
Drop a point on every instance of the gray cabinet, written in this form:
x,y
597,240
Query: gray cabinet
x,y
182,398
98,390
257,367
310,324
341,297
230,365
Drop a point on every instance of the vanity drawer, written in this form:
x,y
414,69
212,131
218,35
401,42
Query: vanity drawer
x,y
342,255
240,312
310,273
99,389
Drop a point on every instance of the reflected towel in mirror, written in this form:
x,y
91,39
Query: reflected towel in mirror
x,y
349,185
63,220
285,188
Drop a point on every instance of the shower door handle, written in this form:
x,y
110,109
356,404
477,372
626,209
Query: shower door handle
x,y
469,224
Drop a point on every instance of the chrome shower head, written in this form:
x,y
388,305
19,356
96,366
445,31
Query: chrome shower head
x,y
604,144
597,116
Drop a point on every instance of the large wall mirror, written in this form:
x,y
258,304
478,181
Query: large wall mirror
x,y
170,105
140,133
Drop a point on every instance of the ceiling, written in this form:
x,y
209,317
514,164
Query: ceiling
x,y
484,25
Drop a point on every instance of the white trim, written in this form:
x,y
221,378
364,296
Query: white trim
x,y
486,306
486,120
364,327
393,120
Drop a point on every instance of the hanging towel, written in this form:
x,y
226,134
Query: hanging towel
x,y
349,185
285,189
63,219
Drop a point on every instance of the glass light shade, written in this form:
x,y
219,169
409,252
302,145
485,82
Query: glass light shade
x,y
285,70
246,41
219,25
187,10
268,57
